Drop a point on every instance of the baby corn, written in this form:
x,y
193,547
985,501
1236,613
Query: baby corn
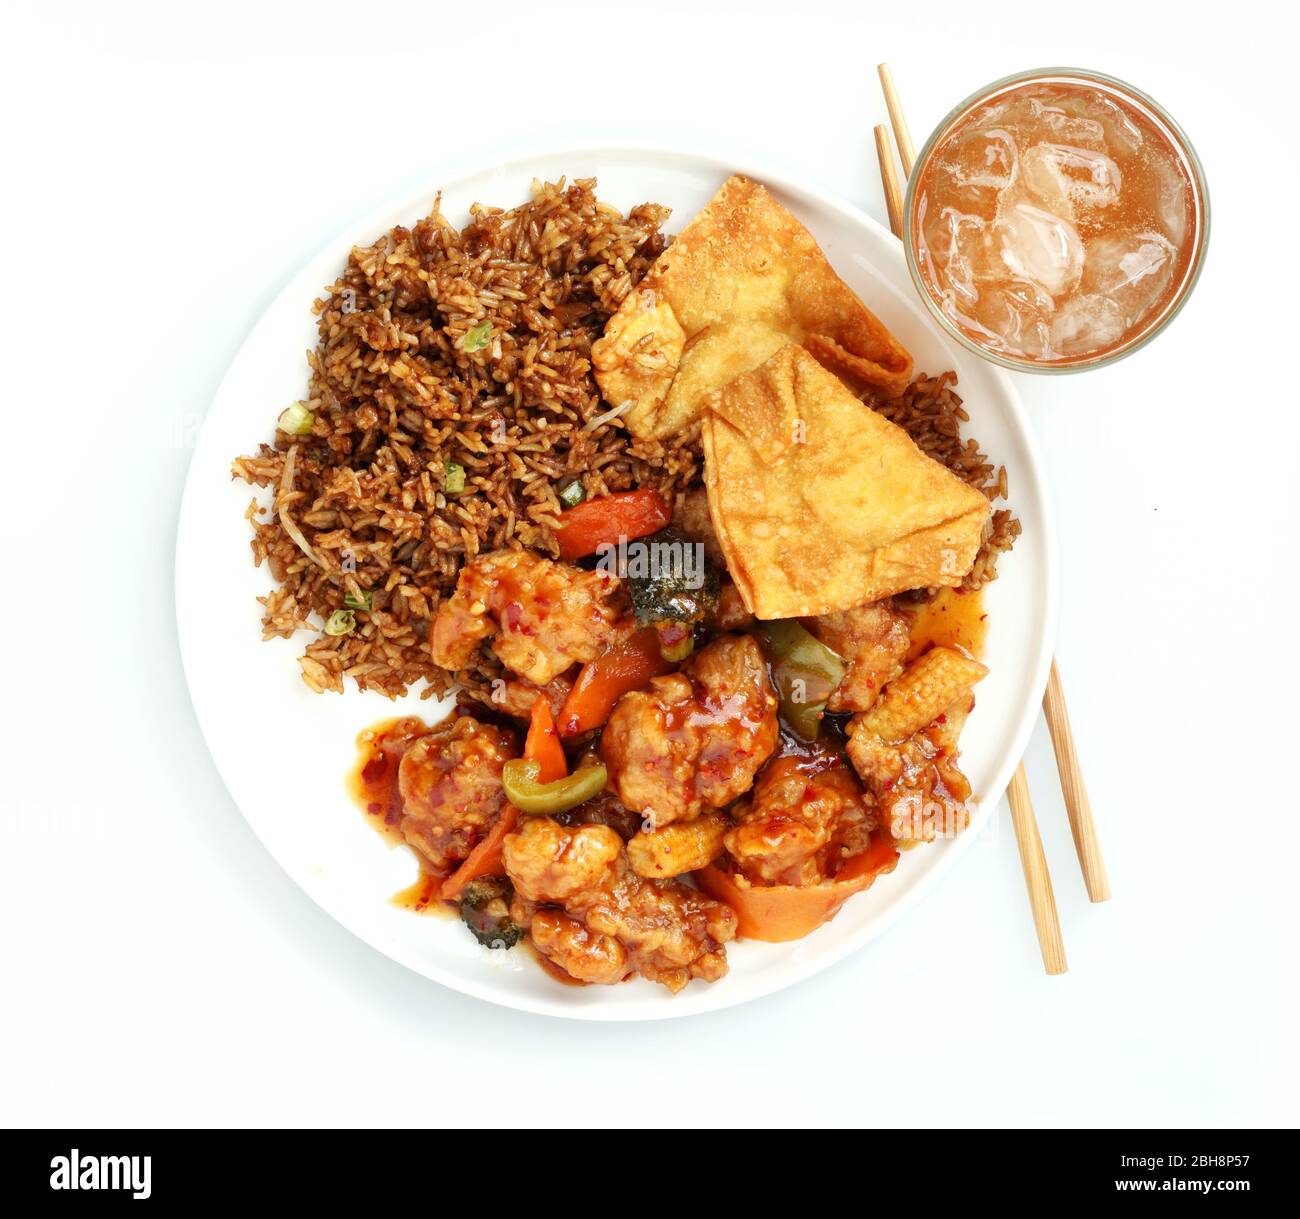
x,y
921,693
682,847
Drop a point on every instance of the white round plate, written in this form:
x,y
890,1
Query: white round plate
x,y
256,712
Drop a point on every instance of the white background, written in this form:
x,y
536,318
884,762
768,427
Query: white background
x,y
166,174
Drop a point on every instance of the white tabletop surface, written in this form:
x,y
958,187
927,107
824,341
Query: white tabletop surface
x,y
167,173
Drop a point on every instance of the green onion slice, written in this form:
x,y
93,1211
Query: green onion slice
x,y
477,338
572,494
296,420
340,622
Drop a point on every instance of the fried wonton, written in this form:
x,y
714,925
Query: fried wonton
x,y
740,281
820,503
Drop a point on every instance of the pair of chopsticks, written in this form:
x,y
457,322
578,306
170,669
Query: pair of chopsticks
x,y
1037,878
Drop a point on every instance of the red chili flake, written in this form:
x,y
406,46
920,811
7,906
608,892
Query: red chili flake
x,y
514,616
374,809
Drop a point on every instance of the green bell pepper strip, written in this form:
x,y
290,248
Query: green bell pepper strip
x,y
806,673
519,779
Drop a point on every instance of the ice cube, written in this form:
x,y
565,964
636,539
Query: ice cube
x,y
1016,313
959,245
1119,130
1171,197
1087,324
984,158
1039,246
1072,128
975,168
1086,177
1034,120
1132,269
1041,182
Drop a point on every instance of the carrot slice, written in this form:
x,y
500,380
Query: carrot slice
x,y
602,682
777,913
629,514
484,859
543,743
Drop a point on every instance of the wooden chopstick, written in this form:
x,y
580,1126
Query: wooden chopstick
x,y
889,177
906,151
1077,804
1038,881
1042,902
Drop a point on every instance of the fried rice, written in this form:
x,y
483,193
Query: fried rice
x,y
447,358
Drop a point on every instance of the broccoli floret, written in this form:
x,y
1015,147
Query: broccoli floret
x,y
676,583
485,910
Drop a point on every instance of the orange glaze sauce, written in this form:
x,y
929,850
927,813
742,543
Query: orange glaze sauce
x,y
372,784
952,619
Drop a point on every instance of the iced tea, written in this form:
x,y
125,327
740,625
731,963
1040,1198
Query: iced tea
x,y
1057,222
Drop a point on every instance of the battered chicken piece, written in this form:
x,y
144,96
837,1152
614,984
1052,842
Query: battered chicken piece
x,y
920,791
905,747
596,919
545,616
806,816
872,640
692,519
516,696
450,784
588,956
694,739
673,933
550,862
730,613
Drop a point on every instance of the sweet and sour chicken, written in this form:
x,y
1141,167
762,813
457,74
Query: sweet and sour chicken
x,y
543,617
804,817
872,640
905,747
450,785
659,772
693,740
695,778
590,914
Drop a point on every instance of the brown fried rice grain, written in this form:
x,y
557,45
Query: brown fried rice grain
x,y
471,349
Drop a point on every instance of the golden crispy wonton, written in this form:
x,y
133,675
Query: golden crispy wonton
x,y
740,281
822,504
